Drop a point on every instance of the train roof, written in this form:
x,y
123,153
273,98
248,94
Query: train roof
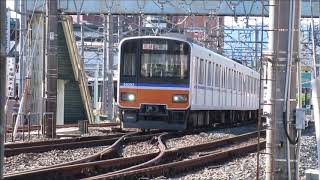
x,y
188,40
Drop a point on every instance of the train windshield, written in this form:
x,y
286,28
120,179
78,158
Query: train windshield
x,y
149,60
164,59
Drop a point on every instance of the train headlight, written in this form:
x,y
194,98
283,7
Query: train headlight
x,y
180,98
125,96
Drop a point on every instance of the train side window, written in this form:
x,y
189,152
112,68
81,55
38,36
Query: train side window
x,y
228,78
234,80
196,69
244,84
217,76
223,77
213,74
209,74
240,82
250,85
201,72
237,81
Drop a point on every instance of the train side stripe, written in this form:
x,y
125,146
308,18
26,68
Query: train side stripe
x,y
155,86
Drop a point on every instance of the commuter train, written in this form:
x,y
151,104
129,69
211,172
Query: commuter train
x,y
172,83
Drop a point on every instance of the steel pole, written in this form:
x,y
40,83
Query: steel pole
x,y
23,47
3,64
52,66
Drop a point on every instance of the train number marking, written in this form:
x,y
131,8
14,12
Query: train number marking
x,y
128,84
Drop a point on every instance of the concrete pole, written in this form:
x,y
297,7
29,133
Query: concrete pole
x,y
139,25
23,46
3,65
107,94
82,43
52,66
95,88
119,28
256,38
284,47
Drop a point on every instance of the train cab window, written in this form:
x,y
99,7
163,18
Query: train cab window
x,y
201,72
164,59
129,59
209,74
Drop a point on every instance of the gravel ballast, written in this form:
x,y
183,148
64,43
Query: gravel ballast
x,y
29,161
205,137
245,167
135,149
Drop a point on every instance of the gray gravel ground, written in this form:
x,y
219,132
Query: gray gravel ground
x,y
134,149
28,161
33,138
93,131
308,151
245,167
205,137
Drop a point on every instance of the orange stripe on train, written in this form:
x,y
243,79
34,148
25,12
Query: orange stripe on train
x,y
153,96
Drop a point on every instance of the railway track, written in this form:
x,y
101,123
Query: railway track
x,y
108,152
37,127
165,161
42,146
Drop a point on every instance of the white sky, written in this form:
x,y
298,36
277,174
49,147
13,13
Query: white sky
x,y
10,4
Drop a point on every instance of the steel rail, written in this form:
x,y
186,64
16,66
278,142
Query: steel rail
x,y
178,151
43,146
180,166
88,169
109,152
37,127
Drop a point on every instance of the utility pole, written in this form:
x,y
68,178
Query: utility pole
x,y
119,28
52,67
256,39
95,87
23,46
3,65
82,43
107,93
281,147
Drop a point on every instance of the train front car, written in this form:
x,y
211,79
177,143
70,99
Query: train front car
x,y
153,84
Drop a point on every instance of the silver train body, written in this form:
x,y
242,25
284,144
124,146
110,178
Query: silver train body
x,y
173,83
